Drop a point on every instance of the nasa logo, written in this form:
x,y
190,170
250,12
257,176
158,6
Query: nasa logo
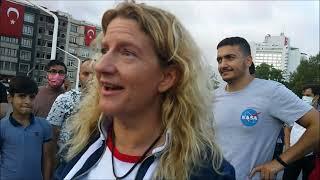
x,y
249,117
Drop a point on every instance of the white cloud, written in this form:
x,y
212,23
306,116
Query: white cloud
x,y
211,21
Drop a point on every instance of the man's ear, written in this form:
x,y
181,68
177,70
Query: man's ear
x,y
169,79
249,60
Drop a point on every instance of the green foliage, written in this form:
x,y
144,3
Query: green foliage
x,y
266,71
308,72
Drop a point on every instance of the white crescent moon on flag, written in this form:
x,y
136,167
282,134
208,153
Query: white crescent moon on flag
x,y
11,9
90,30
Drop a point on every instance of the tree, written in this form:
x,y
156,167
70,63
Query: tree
x,y
308,72
266,71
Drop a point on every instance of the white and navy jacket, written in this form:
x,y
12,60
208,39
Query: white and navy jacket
x,y
80,166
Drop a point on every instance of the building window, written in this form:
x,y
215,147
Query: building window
x,y
26,42
50,32
27,30
8,52
9,40
25,55
70,63
73,28
42,66
48,56
70,74
72,51
49,44
63,35
41,18
50,20
84,53
73,40
41,30
23,67
28,17
9,66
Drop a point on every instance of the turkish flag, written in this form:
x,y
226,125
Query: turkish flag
x,y
89,34
11,19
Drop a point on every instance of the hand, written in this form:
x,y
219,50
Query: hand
x,y
268,170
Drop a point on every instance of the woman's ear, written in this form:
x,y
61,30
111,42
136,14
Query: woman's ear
x,y
170,78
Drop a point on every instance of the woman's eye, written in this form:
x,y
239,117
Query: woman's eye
x,y
103,50
127,52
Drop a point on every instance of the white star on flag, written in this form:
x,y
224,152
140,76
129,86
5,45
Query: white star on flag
x,y
12,21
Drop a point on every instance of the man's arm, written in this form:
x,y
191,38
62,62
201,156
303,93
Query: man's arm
x,y
308,141
287,132
47,160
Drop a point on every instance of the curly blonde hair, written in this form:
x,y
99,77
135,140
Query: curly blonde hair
x,y
186,108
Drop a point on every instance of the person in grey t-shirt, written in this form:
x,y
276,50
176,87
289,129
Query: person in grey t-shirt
x,y
249,113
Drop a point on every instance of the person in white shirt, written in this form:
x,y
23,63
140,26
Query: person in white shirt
x,y
293,134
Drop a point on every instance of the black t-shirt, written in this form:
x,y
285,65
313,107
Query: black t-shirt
x,y
3,93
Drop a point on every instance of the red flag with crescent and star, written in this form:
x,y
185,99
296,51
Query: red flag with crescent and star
x,y
11,19
89,34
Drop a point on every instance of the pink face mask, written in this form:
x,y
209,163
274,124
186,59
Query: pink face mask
x,y
55,80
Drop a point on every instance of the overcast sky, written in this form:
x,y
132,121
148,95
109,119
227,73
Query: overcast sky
x,y
211,21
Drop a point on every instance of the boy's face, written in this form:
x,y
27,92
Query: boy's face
x,y
22,103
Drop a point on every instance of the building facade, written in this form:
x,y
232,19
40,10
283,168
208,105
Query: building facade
x,y
276,51
17,53
43,48
29,53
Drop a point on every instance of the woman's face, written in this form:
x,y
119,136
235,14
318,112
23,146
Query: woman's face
x,y
130,77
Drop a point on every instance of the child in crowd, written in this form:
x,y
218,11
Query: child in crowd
x,y
24,138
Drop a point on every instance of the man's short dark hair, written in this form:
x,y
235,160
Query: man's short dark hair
x,y
55,63
22,84
315,88
233,41
252,69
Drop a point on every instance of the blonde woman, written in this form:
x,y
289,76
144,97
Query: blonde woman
x,y
148,114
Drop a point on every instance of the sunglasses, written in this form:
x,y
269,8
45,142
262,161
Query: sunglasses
x,y
53,71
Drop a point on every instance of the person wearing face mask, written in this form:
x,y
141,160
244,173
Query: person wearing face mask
x,y
56,74
306,164
64,106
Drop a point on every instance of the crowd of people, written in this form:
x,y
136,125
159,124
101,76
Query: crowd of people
x,y
145,111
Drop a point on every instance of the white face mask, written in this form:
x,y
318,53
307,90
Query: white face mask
x,y
307,99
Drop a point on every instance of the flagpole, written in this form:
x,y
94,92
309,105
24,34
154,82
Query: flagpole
x,y
55,30
78,68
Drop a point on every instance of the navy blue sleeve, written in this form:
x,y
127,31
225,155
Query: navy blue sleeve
x,y
226,172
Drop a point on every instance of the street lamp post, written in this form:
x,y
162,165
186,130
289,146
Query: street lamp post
x,y
78,68
30,71
55,30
